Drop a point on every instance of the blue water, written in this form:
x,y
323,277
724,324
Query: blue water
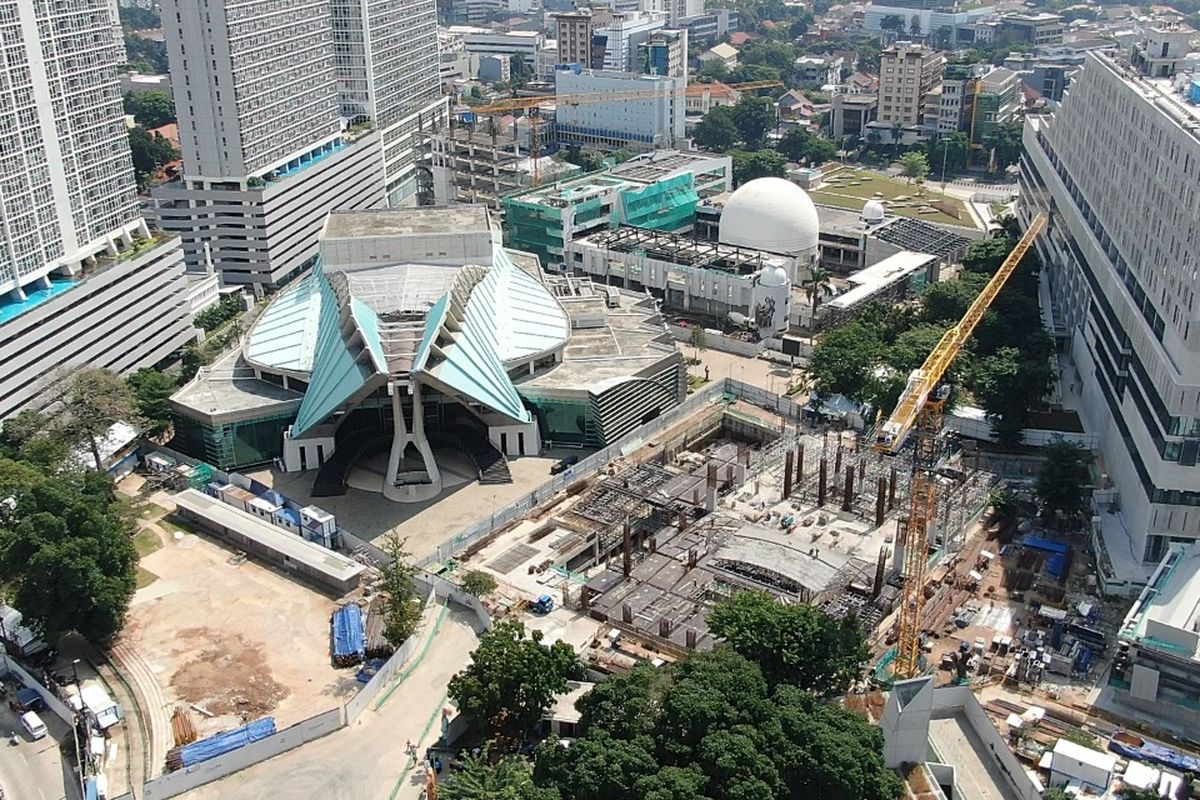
x,y
11,309
308,161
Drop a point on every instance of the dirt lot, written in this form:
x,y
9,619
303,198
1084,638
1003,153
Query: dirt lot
x,y
231,635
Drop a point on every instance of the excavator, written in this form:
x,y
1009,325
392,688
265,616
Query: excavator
x,y
919,412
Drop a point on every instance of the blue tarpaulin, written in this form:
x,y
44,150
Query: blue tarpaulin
x,y
348,633
1056,565
1137,748
222,743
1062,548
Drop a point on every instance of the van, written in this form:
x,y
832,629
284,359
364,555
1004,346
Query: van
x,y
33,725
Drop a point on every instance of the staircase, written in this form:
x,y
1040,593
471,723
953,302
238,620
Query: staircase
x,y
489,462
364,438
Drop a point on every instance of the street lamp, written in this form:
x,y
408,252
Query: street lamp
x,y
75,671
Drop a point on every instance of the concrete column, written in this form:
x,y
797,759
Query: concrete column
x,y
823,476
892,490
880,501
787,475
848,493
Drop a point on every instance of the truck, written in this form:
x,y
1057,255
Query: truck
x,y
543,605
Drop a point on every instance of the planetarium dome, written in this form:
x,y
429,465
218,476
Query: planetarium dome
x,y
771,214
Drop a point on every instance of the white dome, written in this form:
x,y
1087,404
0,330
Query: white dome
x,y
873,212
770,214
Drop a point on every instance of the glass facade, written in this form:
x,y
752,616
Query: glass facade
x,y
235,445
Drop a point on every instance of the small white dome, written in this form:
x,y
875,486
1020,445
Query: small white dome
x,y
773,276
770,214
873,212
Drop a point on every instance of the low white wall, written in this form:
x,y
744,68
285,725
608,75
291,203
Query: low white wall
x,y
52,702
189,778
713,341
971,422
384,676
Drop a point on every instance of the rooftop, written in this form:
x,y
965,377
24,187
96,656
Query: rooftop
x,y
356,224
956,742
684,250
295,548
1167,614
229,388
868,282
918,235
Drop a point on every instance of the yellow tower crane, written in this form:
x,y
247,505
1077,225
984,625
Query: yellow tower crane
x,y
920,409
532,105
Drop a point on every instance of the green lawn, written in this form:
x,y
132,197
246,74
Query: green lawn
x,y
847,187
146,541
145,577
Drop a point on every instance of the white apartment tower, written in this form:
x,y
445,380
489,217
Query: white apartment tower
x,y
907,73
288,109
1117,169
83,281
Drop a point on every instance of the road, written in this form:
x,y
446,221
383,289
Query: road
x,y
35,770
366,760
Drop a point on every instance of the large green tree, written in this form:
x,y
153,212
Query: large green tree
x,y
149,153
986,255
66,552
799,144
844,360
710,728
716,131
1004,143
914,166
948,301
34,438
152,390
792,644
509,778
150,109
95,400
753,117
512,679
1010,385
757,164
401,604
948,155
1062,477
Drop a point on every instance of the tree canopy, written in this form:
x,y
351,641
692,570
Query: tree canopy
x,y
152,390
512,679
793,644
150,109
914,165
844,359
710,728
758,164
716,131
1061,478
510,778
753,117
149,153
66,551
801,145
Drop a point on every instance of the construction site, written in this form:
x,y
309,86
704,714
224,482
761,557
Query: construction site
x,y
734,498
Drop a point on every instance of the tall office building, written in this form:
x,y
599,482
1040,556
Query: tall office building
x,y
288,109
1116,168
907,73
664,53
82,279
574,30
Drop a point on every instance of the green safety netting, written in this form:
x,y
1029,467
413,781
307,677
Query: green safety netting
x,y
665,205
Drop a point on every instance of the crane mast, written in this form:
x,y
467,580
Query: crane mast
x,y
919,410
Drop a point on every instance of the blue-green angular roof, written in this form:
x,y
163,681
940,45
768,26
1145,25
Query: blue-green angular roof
x,y
337,373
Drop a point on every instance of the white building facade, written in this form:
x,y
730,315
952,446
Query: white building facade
x,y
83,281
647,112
266,91
1117,168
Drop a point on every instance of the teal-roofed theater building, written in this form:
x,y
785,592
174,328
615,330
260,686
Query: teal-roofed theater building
x,y
416,332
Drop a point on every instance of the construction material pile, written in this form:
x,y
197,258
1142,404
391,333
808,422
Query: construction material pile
x,y
347,635
214,746
182,728
377,645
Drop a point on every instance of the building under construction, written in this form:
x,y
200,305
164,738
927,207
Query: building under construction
x,y
482,162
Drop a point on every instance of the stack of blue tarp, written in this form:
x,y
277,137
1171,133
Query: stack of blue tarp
x,y
1137,748
348,640
1055,565
191,754
1037,543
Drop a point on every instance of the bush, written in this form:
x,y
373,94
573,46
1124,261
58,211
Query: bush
x,y
214,317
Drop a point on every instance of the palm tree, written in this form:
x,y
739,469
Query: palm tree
x,y
818,286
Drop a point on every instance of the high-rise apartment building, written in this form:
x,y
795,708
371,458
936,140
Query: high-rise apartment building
x,y
288,109
907,73
622,36
574,35
1116,168
83,281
